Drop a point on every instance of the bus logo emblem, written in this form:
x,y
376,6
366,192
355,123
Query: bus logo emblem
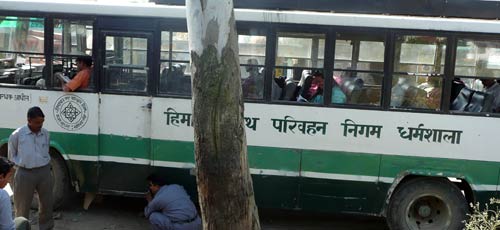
x,y
71,112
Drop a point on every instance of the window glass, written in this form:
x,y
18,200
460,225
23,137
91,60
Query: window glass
x,y
72,37
478,66
416,92
300,50
125,65
165,45
175,70
180,46
371,51
359,66
298,75
23,69
477,57
420,54
252,55
419,66
343,54
21,51
22,34
175,78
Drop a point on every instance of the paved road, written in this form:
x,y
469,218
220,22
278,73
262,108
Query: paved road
x,y
125,214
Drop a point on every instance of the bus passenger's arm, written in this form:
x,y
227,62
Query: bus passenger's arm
x,y
75,83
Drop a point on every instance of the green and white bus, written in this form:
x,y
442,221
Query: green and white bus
x,y
404,129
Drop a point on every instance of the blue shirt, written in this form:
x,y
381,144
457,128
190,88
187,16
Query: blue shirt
x,y
338,96
6,221
173,202
28,149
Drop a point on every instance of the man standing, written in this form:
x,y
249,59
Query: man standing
x,y
6,222
82,78
171,208
29,150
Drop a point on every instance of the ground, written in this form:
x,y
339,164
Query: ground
x,y
111,212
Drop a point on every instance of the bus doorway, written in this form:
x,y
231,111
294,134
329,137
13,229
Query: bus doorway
x,y
125,112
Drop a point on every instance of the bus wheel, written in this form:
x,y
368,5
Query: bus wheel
x,y
61,188
427,203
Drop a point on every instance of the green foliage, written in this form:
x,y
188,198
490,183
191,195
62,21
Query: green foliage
x,y
486,219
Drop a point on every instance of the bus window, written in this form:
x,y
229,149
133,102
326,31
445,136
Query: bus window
x,y
175,70
252,50
298,57
358,69
126,64
417,82
475,87
21,51
72,38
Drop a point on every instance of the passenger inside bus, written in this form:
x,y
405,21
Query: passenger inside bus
x,y
312,88
493,88
338,96
351,86
175,80
253,85
432,87
82,78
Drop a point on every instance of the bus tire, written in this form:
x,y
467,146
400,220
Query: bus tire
x,y
427,203
61,189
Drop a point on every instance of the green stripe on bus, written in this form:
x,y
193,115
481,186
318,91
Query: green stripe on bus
x,y
123,146
340,162
477,172
177,151
333,164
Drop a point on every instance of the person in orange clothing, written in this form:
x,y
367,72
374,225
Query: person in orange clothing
x,y
82,78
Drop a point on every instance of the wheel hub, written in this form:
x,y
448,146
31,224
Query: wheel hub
x,y
428,213
424,211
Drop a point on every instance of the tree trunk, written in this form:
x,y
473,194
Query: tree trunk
x,y
224,182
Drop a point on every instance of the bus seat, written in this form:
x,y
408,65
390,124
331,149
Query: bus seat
x,y
462,99
290,90
185,85
31,80
352,88
370,95
469,100
164,79
480,102
7,77
414,97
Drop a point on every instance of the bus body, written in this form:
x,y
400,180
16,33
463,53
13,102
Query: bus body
x,y
352,156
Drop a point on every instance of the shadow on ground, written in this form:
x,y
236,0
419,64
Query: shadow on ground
x,y
112,212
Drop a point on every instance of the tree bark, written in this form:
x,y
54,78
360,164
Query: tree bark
x,y
224,182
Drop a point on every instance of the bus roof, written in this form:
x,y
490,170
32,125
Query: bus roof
x,y
255,15
485,9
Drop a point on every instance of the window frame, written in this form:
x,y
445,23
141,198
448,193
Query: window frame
x,y
149,36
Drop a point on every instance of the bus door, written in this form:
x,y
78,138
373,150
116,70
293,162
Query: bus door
x,y
125,112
